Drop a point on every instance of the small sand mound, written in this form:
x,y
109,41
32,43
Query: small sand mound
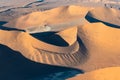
x,y
108,16
111,73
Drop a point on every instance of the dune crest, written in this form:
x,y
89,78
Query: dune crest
x,y
111,73
105,15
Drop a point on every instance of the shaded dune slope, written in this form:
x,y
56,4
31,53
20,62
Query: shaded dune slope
x,y
111,73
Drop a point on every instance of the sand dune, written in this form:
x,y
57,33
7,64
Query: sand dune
x,y
106,15
42,52
84,38
102,46
60,17
93,38
100,49
111,73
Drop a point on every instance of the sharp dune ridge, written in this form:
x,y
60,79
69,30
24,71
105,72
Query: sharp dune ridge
x,y
85,38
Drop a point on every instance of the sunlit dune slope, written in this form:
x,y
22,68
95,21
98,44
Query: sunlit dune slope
x,y
111,73
42,52
64,16
102,43
109,16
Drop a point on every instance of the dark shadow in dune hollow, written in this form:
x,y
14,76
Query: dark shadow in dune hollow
x,y
51,38
10,29
13,66
7,28
93,20
2,22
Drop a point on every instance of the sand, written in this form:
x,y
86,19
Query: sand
x,y
60,17
42,52
111,73
102,46
107,15
84,38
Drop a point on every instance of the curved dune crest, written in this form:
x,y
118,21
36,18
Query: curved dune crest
x,y
42,52
64,16
107,15
111,73
101,42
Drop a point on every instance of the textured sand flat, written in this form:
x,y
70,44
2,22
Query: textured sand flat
x,y
111,73
60,17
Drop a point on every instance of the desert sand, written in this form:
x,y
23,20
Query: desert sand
x,y
60,17
111,73
81,37
106,15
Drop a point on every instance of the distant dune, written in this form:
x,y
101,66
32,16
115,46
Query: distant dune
x,y
111,73
59,17
109,16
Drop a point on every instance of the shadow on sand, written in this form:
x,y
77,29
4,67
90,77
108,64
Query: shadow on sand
x,y
7,28
93,20
51,38
2,22
13,66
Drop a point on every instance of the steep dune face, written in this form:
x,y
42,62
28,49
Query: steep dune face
x,y
64,16
111,73
108,16
42,52
101,42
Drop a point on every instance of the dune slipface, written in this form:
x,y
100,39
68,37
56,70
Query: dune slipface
x,y
109,16
57,18
111,73
42,52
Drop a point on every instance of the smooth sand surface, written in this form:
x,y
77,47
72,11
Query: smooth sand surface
x,y
111,73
